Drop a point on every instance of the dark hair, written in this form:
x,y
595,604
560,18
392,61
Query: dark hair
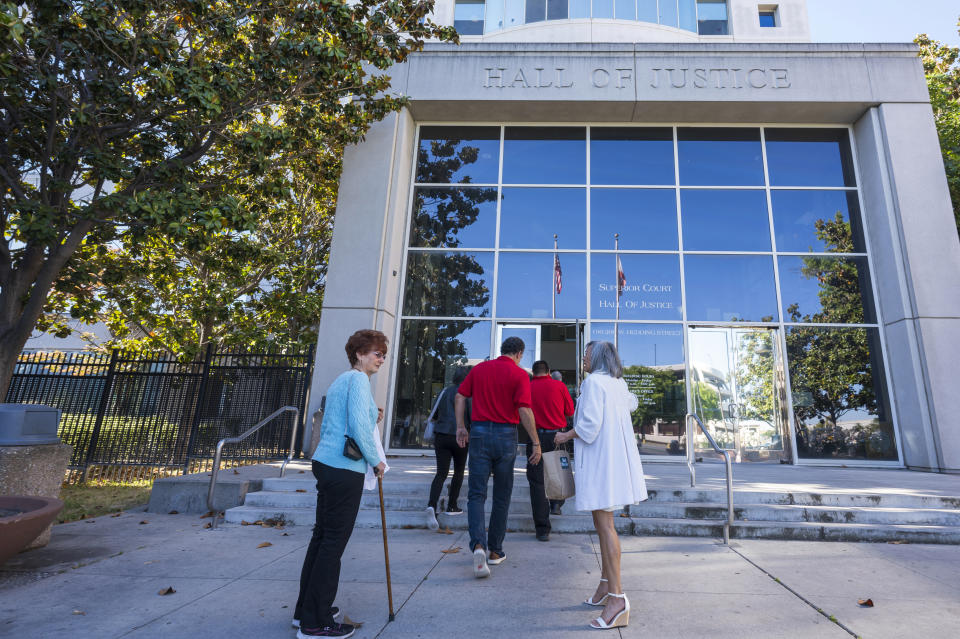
x,y
364,341
512,345
540,367
460,374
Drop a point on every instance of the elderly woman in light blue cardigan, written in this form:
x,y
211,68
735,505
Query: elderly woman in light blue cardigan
x,y
350,411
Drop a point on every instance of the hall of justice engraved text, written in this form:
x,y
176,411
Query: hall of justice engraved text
x,y
622,78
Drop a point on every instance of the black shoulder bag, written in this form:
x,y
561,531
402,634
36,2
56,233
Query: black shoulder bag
x,y
350,448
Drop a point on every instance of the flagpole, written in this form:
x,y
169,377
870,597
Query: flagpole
x,y
553,284
616,268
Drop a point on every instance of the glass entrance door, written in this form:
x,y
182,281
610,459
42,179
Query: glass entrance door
x,y
738,390
529,333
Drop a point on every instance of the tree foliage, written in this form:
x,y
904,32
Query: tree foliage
x,y
144,119
941,64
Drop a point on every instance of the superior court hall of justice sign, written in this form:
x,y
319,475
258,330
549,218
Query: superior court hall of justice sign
x,y
543,77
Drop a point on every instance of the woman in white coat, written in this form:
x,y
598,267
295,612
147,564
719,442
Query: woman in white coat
x,y
607,470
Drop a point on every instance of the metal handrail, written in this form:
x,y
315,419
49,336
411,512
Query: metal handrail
x,y
241,437
693,475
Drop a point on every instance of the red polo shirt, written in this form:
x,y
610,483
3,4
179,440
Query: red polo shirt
x,y
499,388
551,402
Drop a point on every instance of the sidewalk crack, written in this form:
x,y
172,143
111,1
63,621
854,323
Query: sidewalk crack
x,y
796,594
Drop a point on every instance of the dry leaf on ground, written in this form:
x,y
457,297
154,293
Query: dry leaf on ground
x,y
79,612
449,551
209,513
264,544
167,591
117,514
174,512
144,522
301,490
208,525
347,620
445,531
898,541
866,603
236,472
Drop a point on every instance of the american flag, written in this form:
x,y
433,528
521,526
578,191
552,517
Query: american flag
x,y
557,274
621,278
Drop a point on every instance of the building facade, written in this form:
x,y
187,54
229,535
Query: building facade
x,y
762,225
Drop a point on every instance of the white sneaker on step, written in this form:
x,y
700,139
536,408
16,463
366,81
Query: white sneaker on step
x,y
432,522
480,567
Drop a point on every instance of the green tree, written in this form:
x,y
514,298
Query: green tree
x,y
941,64
116,116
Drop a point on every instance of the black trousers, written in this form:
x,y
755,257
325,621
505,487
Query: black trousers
x,y
338,501
538,495
447,448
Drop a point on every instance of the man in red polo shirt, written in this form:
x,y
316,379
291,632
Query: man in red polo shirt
x,y
501,399
551,404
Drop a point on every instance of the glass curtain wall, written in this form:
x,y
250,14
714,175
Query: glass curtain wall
x,y
496,15
656,231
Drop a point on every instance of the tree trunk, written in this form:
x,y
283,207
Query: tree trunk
x,y
11,344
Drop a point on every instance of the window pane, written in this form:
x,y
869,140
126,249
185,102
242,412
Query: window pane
x,y
730,288
529,217
445,217
712,17
514,13
448,284
809,157
556,9
688,15
652,356
830,290
651,291
668,13
647,11
494,16
545,155
464,154
768,18
625,9
817,221
631,156
720,157
468,17
525,286
646,219
536,10
579,8
725,220
602,8
840,399
429,355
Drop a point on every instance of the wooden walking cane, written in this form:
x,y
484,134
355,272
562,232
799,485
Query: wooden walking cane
x,y
386,551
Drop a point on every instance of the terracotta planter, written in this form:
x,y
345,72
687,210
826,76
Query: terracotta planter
x,y
32,515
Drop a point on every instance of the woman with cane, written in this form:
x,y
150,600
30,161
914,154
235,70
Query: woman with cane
x,y
347,447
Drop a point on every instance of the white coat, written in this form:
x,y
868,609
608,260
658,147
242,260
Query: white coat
x,y
607,470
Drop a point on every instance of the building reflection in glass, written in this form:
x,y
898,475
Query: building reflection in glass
x,y
653,367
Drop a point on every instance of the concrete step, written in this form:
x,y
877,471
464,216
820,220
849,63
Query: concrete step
x,y
409,503
788,513
796,498
399,487
369,518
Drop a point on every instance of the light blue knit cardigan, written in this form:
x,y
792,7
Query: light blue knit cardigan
x,y
349,395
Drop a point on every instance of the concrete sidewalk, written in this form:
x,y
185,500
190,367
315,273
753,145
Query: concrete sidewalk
x,y
100,578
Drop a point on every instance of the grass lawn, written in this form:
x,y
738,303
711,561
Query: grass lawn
x,y
82,501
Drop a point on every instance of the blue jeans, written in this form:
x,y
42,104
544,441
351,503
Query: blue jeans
x,y
493,450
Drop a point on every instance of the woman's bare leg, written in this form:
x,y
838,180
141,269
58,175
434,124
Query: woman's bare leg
x,y
602,588
610,557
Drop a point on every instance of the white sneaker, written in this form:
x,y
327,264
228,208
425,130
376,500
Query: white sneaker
x,y
480,567
432,522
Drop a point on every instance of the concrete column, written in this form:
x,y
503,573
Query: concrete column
x,y
366,254
916,260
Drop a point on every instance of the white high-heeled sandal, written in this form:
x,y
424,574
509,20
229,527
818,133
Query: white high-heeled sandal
x,y
590,602
620,621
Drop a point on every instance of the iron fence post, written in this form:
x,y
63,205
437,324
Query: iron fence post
x,y
101,412
198,406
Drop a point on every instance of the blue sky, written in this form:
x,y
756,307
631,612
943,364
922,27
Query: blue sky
x,y
883,20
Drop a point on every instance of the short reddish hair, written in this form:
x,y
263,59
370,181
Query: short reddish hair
x,y
364,341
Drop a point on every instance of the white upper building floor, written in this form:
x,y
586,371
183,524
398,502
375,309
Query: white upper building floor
x,y
626,20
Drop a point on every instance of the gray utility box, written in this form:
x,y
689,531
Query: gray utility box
x,y
28,424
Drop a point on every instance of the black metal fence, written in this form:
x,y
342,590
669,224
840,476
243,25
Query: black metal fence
x,y
138,409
